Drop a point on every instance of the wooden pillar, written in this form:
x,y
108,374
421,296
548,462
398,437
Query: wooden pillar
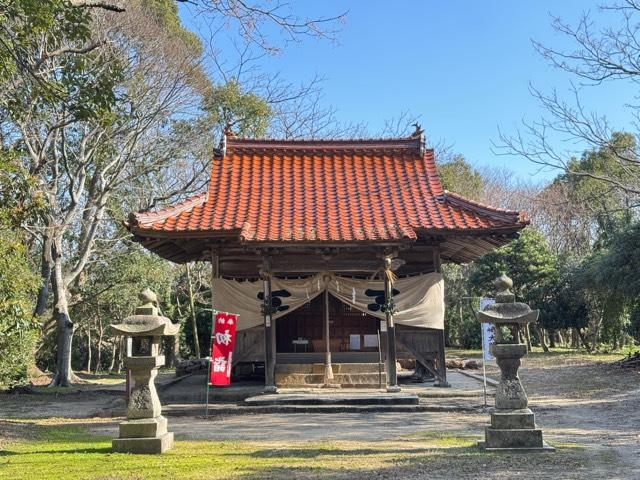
x,y
215,273
392,374
328,369
269,331
442,366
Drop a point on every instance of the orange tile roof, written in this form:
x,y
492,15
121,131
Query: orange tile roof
x,y
324,191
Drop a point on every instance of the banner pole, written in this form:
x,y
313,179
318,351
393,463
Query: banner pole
x,y
208,375
206,408
484,368
215,270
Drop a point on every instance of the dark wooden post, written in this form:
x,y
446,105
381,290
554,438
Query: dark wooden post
x,y
392,374
442,366
269,331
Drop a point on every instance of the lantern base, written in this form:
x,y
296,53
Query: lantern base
x,y
513,430
152,445
545,448
144,435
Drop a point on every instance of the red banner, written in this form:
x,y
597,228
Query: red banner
x,y
223,338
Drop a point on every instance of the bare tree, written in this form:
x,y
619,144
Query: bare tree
x,y
254,20
83,163
606,50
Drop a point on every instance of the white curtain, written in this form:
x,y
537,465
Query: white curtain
x,y
419,300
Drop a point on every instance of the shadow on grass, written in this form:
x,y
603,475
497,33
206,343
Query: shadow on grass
x,y
327,452
103,450
420,463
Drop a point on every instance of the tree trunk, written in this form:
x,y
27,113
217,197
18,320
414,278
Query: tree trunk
x,y
176,350
527,336
560,339
45,275
120,356
64,376
114,347
194,324
540,332
552,338
575,338
88,348
583,340
100,337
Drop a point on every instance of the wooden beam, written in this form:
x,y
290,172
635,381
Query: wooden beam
x,y
437,262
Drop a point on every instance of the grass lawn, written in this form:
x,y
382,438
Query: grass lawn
x,y
52,451
542,358
587,408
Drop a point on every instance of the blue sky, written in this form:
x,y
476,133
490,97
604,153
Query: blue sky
x,y
463,66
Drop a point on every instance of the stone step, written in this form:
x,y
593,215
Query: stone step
x,y
333,399
359,380
217,410
318,368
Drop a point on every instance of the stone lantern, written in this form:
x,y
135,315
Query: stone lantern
x,y
512,423
145,430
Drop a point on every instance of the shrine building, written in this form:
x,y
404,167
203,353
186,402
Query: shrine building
x,y
330,251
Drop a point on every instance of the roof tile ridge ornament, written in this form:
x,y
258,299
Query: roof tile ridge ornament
x,y
418,134
326,143
141,217
462,201
227,134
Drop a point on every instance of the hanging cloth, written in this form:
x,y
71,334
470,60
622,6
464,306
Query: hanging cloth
x,y
419,300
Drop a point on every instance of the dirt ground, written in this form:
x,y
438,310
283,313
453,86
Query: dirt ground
x,y
585,406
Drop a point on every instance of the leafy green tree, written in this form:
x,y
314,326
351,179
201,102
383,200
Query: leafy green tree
x,y
458,176
18,283
617,267
530,264
608,207
19,200
109,294
460,326
610,277
567,305
527,260
244,113
18,328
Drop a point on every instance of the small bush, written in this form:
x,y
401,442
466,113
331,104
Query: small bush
x,y
470,334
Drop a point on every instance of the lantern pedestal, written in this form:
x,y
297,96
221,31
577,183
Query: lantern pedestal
x,y
513,426
145,430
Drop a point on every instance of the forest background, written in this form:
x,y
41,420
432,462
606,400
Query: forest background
x,y
111,107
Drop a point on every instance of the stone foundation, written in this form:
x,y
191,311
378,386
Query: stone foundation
x,y
143,445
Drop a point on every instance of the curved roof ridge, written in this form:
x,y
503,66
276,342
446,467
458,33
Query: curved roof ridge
x,y
463,201
391,142
188,203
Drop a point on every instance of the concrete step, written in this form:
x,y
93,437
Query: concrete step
x,y
318,368
333,399
358,380
354,375
357,375
216,410
298,379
